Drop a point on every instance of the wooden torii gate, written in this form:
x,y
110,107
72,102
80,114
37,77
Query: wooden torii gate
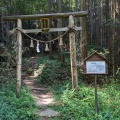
x,y
71,29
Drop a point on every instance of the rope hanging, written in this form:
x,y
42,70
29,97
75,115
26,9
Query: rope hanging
x,y
23,31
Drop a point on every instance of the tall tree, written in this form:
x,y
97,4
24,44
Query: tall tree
x,y
107,26
59,4
91,20
83,41
115,42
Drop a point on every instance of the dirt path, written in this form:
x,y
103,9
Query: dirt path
x,y
42,96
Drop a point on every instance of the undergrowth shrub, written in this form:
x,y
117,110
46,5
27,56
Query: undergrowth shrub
x,y
13,107
80,105
16,108
53,72
118,74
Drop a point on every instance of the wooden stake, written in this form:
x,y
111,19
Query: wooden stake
x,y
96,97
73,54
19,56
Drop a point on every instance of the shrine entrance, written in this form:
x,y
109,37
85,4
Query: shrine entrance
x,y
45,27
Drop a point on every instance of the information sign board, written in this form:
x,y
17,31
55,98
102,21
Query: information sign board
x,y
95,67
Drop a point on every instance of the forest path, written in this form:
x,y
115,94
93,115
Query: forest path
x,y
42,95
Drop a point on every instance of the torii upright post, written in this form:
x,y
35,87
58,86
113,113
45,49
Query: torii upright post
x,y
73,53
19,56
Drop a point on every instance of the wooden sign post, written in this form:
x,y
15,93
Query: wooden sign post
x,y
96,65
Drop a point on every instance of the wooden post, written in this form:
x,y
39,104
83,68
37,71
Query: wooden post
x,y
73,54
96,97
19,56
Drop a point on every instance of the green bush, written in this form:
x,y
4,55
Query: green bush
x,y
16,108
80,105
118,74
52,72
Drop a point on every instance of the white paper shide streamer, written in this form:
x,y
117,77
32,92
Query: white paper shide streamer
x,y
61,42
31,44
46,47
37,48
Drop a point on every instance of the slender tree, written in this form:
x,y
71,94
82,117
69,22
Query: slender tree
x,y
83,41
114,55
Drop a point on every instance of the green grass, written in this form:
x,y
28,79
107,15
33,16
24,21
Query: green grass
x,y
80,105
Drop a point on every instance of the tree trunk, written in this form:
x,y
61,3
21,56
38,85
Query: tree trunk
x,y
83,41
107,27
62,59
7,25
49,34
114,55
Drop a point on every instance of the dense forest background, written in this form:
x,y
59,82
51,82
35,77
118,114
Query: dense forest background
x,y
44,75
102,22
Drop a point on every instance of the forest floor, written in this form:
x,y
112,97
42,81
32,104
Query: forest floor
x,y
42,95
50,86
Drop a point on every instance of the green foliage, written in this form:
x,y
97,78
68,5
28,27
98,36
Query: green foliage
x,y
105,52
52,71
14,108
24,61
2,9
93,48
118,74
80,105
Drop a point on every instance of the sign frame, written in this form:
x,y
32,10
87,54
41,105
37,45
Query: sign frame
x,y
95,62
95,67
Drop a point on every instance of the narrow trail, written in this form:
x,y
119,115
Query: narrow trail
x,y
41,95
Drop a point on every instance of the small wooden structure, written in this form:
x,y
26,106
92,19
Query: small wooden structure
x,y
71,29
95,64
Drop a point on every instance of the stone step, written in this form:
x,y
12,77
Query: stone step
x,y
49,113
